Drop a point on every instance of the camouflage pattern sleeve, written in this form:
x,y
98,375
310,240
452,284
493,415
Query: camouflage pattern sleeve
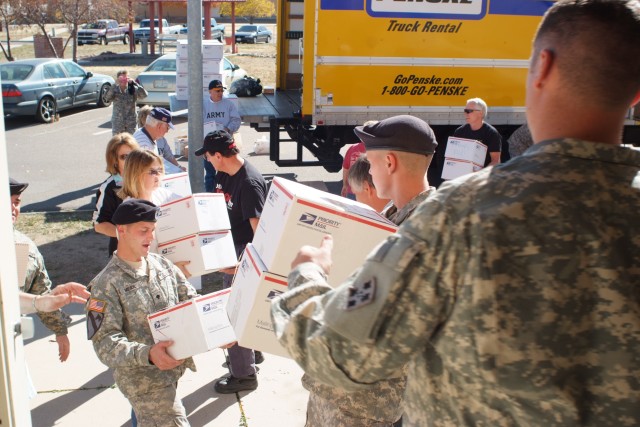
x,y
185,289
367,329
37,282
111,93
110,341
141,92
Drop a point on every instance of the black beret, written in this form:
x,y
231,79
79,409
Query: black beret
x,y
17,187
399,133
217,141
134,210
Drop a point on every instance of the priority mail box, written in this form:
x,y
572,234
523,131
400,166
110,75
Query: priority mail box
x,y
463,156
212,66
206,252
249,305
212,49
177,183
295,215
195,326
454,168
182,49
191,215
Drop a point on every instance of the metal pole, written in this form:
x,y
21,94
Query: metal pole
x,y
233,28
195,125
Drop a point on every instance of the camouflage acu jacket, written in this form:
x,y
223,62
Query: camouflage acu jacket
x,y
117,320
512,293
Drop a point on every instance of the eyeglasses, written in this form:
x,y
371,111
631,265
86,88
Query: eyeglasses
x,y
123,156
155,172
469,111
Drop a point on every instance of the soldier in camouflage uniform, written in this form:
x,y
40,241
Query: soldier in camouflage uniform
x,y
511,293
37,279
134,284
399,150
124,95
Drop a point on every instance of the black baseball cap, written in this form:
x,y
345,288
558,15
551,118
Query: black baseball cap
x,y
399,133
17,187
134,210
217,141
216,84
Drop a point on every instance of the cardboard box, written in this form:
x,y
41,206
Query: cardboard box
x,y
249,305
195,326
190,215
182,49
212,49
212,66
185,151
268,90
455,168
207,252
463,156
179,143
295,215
177,183
182,93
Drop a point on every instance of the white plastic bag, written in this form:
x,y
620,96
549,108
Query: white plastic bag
x,y
261,146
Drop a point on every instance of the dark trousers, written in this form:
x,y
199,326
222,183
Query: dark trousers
x,y
209,177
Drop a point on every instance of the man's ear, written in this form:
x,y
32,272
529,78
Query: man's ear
x,y
391,162
542,66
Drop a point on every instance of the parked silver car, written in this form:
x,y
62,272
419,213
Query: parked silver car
x,y
253,34
42,87
159,79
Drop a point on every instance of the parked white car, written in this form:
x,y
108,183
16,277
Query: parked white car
x,y
159,79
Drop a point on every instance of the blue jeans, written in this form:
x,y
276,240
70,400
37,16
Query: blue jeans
x,y
209,177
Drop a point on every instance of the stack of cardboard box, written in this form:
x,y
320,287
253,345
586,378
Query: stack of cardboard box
x,y
295,215
195,228
212,66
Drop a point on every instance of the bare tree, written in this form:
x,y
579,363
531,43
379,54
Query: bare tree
x,y
8,17
36,12
76,12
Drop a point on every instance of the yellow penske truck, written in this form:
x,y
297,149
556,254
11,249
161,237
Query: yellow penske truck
x,y
343,62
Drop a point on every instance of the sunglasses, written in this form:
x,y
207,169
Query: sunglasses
x,y
155,172
469,111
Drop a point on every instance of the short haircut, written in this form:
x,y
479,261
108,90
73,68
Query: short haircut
x,y
143,113
596,48
226,153
113,146
359,173
480,103
137,163
122,72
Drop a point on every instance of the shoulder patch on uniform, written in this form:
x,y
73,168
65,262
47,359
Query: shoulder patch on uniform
x,y
96,305
94,321
361,294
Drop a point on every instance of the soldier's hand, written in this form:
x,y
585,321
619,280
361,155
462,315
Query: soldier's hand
x,y
64,347
320,256
182,265
75,292
158,356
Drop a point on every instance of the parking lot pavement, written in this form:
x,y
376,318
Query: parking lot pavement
x,y
81,391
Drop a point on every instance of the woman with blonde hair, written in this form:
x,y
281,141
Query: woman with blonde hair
x,y
143,172
107,199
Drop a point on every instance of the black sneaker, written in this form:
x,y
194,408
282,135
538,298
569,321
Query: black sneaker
x,y
259,357
230,384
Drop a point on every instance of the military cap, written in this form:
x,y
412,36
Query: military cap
x,y
134,210
17,187
217,141
399,133
163,115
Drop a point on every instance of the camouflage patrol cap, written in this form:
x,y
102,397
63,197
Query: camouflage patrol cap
x,y
399,133
134,210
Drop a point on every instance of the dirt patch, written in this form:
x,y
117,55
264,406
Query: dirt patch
x,y
73,251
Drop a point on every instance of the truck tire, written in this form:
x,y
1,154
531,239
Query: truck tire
x,y
268,40
125,39
221,38
46,111
255,40
102,102
102,40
